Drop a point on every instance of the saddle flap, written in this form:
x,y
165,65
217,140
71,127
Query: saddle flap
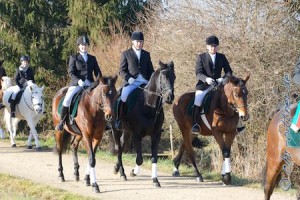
x,y
205,104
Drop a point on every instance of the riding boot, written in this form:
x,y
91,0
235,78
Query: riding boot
x,y
120,115
13,108
63,116
196,114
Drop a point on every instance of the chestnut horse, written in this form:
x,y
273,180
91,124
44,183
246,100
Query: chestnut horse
x,y
228,103
276,150
146,118
94,109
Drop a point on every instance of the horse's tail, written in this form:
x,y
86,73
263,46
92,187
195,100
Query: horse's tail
x,y
65,144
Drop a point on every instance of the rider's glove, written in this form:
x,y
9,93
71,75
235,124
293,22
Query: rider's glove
x,y
80,83
209,81
220,80
131,80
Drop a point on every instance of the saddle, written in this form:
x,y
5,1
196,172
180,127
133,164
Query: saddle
x,y
72,110
131,99
205,104
18,96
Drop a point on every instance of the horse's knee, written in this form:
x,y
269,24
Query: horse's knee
x,y
226,152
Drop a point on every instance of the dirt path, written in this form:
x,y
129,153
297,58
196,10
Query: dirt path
x,y
41,167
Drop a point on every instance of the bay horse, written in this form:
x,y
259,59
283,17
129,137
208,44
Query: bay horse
x,y
146,118
94,110
30,108
276,150
228,103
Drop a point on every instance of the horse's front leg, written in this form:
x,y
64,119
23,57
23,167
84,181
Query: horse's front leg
x,y
154,151
120,147
139,157
91,149
74,145
32,124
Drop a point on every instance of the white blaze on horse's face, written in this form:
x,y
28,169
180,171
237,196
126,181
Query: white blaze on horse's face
x,y
37,98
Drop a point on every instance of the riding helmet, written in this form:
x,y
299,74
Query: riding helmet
x,y
24,58
137,35
212,40
83,40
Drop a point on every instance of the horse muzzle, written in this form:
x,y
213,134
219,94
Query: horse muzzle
x,y
169,98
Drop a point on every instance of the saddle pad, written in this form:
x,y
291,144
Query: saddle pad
x,y
74,104
205,104
293,140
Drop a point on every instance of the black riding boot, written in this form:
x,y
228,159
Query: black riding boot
x,y
196,114
63,116
120,115
13,108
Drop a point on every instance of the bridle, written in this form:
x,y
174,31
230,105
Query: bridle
x,y
236,107
32,104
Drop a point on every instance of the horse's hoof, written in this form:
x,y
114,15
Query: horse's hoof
x,y
199,179
95,188
123,178
14,145
87,180
38,149
132,174
156,183
29,147
61,179
226,179
176,174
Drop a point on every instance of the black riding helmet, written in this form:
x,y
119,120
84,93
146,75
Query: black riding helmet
x,y
137,35
83,40
24,58
212,40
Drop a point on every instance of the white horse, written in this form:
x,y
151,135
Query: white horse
x,y
5,83
30,108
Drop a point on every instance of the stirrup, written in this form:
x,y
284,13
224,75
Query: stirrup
x,y
240,129
60,126
196,128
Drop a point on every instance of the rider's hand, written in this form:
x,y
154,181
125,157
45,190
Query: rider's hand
x,y
131,80
209,81
220,80
87,82
30,83
80,83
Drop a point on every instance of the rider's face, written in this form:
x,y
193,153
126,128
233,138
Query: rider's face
x,y
83,48
138,44
24,63
212,49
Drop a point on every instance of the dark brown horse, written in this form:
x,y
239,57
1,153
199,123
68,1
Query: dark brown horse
x,y
94,109
228,103
146,118
276,151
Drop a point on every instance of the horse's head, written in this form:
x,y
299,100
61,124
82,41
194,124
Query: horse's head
x,y
37,98
6,82
107,96
165,81
236,92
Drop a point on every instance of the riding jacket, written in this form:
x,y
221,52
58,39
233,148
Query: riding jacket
x,y
131,66
79,69
22,76
205,68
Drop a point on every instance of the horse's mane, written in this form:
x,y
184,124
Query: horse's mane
x,y
109,80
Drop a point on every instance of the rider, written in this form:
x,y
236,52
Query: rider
x,y
2,73
82,66
24,76
209,66
135,68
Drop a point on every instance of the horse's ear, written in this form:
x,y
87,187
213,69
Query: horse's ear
x,y
115,78
233,80
43,87
247,77
162,65
171,65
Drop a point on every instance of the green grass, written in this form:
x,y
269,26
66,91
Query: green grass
x,y
22,189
